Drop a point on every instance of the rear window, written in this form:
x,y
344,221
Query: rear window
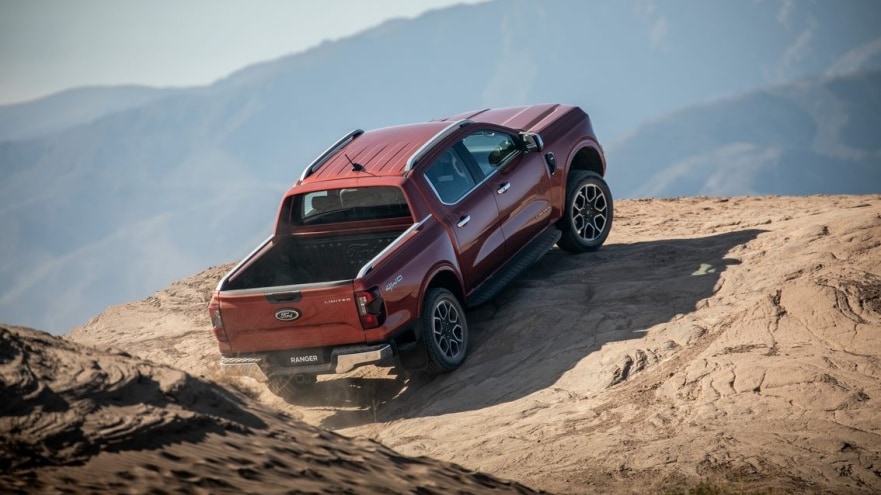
x,y
347,205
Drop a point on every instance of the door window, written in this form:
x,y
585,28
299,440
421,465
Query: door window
x,y
491,149
450,177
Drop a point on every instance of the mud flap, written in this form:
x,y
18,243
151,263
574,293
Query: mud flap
x,y
411,356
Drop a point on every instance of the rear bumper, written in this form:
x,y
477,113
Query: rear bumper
x,y
343,359
242,366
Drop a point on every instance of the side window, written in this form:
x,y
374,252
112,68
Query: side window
x,y
450,177
491,149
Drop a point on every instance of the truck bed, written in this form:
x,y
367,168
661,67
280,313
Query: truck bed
x,y
299,259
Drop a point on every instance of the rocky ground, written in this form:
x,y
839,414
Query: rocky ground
x,y
729,340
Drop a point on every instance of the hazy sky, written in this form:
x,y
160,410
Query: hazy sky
x,y
50,45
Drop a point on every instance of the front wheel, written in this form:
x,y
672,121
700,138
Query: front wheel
x,y
587,219
444,331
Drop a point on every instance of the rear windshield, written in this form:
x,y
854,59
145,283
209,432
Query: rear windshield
x,y
347,205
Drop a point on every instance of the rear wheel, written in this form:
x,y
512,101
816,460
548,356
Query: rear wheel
x,y
588,217
444,331
290,386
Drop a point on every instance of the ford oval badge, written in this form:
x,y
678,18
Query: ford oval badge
x,y
287,315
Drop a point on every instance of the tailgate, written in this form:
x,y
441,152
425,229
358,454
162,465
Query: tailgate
x,y
291,317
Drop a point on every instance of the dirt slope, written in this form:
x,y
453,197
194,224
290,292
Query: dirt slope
x,y
74,419
732,340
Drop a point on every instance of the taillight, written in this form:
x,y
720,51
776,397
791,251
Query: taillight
x,y
217,322
371,308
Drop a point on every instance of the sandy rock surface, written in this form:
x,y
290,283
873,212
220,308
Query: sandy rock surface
x,y
79,420
734,340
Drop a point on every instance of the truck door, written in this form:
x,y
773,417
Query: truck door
x,y
519,183
471,212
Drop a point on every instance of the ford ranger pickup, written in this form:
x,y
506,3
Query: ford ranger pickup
x,y
390,234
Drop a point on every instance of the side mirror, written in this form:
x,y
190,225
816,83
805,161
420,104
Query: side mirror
x,y
531,142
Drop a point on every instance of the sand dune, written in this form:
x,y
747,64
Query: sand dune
x,y
75,419
733,340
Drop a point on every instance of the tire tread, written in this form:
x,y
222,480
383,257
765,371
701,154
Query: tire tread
x,y
569,241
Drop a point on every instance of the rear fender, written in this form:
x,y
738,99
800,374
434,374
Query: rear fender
x,y
442,275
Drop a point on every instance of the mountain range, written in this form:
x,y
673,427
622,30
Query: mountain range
x,y
111,193
818,136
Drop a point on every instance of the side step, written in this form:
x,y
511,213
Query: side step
x,y
520,262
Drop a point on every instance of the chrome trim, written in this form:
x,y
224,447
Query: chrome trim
x,y
414,158
348,362
329,152
242,367
395,243
286,288
245,260
539,141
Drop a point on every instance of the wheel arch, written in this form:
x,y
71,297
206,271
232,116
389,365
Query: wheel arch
x,y
587,158
443,277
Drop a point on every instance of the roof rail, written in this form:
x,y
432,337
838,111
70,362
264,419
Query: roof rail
x,y
425,148
329,152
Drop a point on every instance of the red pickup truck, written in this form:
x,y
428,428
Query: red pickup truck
x,y
391,233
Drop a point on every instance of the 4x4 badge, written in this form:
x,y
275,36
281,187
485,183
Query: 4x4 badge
x,y
287,315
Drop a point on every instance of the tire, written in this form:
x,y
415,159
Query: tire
x,y
587,219
444,331
290,386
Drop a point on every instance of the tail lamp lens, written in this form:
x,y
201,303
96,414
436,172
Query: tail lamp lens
x,y
371,308
217,322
